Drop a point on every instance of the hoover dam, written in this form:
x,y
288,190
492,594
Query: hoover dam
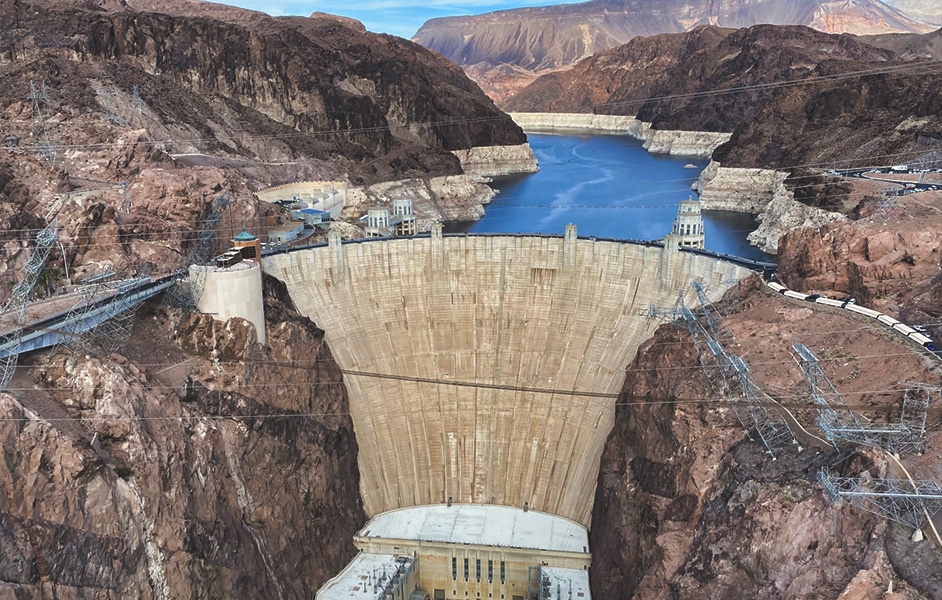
x,y
483,369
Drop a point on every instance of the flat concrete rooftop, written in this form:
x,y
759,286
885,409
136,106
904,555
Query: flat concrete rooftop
x,y
566,584
364,578
482,524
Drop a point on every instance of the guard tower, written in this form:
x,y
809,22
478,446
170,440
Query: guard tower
x,y
688,226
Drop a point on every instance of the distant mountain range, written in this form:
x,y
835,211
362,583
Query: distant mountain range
x,y
505,50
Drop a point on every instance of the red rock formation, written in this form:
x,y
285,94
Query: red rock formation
x,y
548,38
688,508
891,260
124,478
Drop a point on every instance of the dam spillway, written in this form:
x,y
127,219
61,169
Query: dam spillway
x,y
536,312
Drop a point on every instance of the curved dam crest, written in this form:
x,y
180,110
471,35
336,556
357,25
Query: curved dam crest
x,y
563,314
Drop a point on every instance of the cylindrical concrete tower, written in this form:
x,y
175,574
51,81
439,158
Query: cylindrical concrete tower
x,y
235,291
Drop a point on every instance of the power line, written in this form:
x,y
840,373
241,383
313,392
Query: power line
x,y
896,69
928,67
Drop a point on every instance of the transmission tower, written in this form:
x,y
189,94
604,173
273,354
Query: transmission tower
x,y
125,198
188,289
14,311
888,200
43,146
841,425
728,373
112,332
908,502
92,289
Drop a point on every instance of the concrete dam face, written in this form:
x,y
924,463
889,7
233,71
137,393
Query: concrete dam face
x,y
555,315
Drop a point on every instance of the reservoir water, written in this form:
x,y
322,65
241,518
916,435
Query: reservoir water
x,y
609,186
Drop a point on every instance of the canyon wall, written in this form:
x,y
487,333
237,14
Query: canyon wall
x,y
687,506
544,325
203,466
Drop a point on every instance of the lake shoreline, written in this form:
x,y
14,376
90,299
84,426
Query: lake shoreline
x,y
602,182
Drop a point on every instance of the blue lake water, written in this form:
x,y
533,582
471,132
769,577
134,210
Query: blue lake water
x,y
609,186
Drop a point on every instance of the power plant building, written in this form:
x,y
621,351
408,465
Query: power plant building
x,y
469,551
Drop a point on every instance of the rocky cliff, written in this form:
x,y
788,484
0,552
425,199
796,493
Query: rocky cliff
x,y
688,507
695,69
495,47
890,257
202,466
183,101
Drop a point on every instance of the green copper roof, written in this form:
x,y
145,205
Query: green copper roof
x,y
245,236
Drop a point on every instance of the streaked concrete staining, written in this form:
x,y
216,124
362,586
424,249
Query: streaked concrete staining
x,y
530,312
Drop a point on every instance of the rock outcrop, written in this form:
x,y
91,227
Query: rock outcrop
x,y
184,101
688,507
493,46
495,161
889,258
207,467
783,214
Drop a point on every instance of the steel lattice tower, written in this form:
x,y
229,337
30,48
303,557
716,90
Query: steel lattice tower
x,y
908,502
43,146
728,373
841,425
18,303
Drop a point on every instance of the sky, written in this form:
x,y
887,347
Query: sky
x,y
398,17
